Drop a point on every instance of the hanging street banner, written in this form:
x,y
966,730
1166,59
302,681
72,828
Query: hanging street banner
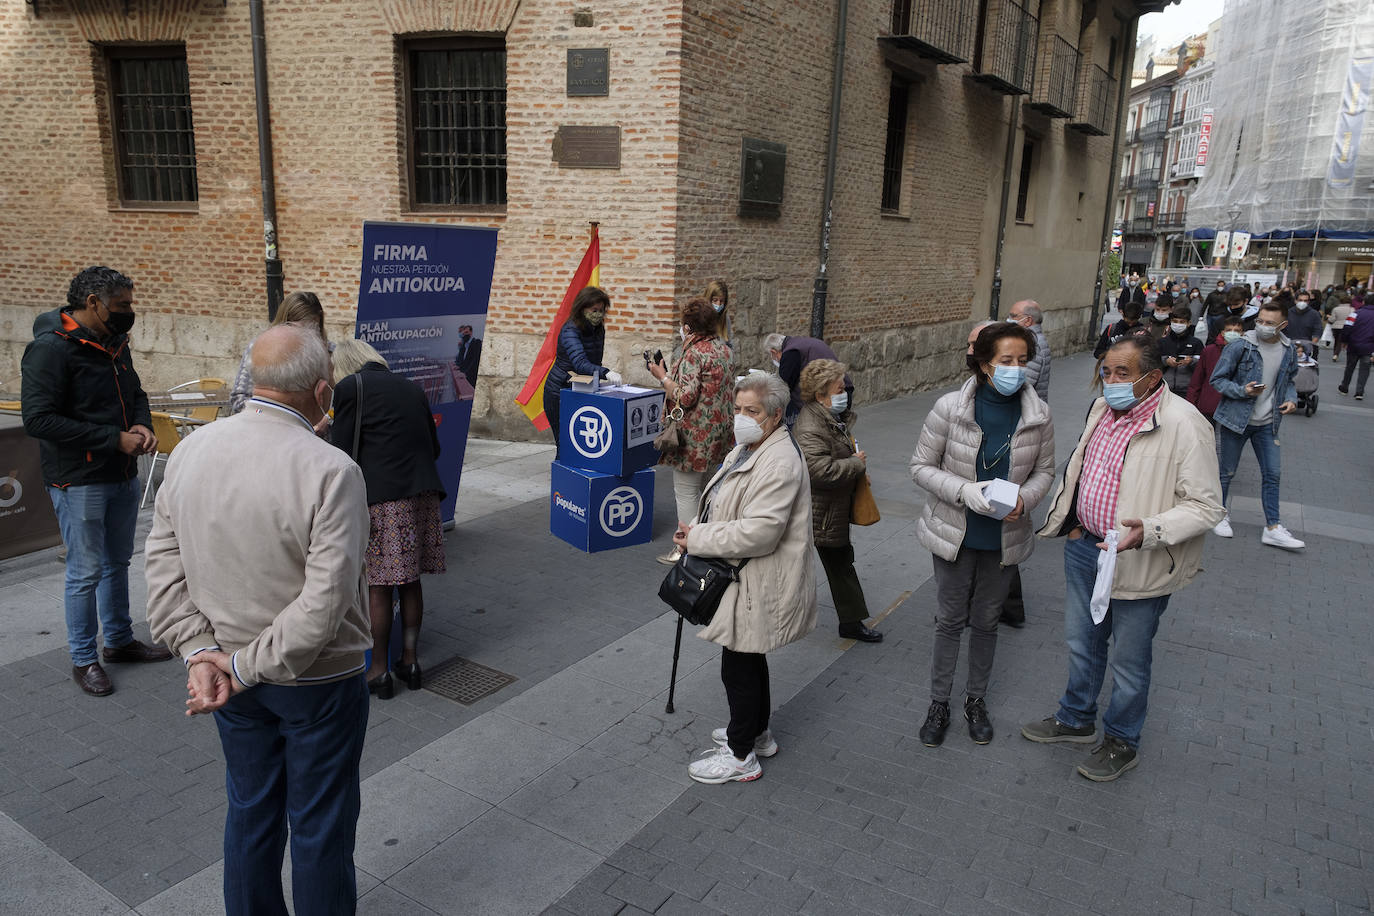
x,y
422,303
1204,142
1345,146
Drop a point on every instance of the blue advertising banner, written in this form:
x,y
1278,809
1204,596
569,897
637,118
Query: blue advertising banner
x,y
422,303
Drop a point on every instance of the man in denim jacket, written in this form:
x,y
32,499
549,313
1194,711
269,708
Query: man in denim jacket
x,y
1254,377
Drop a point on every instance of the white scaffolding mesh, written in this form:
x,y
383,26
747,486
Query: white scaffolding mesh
x,y
1281,69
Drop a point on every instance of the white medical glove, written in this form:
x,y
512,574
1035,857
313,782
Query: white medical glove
x,y
613,378
972,495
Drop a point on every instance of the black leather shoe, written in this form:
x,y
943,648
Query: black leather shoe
x,y
1012,621
92,679
937,720
979,726
382,686
408,674
860,632
135,652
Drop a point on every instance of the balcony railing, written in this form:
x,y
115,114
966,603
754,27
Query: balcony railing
x,y
1095,102
938,30
1183,168
1145,181
1143,224
1151,130
1175,220
1007,61
1057,84
1176,120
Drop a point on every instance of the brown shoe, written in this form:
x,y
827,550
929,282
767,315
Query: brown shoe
x,y
92,679
135,652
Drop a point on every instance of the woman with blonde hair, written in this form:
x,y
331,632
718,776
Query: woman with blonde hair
x,y
390,419
300,308
824,431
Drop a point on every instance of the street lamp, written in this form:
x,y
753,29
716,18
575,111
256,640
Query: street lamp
x,y
1234,212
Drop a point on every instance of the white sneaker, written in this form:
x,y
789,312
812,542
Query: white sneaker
x,y
764,745
1223,528
722,766
1279,536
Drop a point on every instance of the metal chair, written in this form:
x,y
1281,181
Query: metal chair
x,y
205,414
168,437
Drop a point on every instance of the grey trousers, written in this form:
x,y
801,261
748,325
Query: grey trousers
x,y
971,592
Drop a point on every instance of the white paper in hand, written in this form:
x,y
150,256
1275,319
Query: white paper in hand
x,y
1106,571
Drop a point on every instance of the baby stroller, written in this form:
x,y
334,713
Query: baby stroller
x,y
1307,379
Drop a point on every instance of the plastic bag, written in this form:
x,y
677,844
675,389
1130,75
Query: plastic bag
x,y
1106,571
1328,338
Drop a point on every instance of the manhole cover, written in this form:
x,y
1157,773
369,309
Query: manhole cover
x,y
465,681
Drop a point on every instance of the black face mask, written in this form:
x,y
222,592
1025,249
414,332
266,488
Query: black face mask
x,y
119,322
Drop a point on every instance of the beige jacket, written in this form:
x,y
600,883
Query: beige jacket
x,y
945,459
1169,479
762,510
257,547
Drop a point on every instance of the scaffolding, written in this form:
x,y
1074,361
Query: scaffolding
x,y
1292,149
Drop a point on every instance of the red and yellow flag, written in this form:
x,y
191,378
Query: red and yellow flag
x,y
531,397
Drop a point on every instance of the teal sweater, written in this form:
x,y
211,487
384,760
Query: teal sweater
x,y
997,416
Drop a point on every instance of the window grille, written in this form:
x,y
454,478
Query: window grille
x,y
155,145
458,124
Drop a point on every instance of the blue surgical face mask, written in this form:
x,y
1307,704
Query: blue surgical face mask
x,y
1008,379
718,307
839,403
1120,395
1230,336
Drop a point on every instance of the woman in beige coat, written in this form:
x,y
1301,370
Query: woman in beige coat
x,y
994,426
755,511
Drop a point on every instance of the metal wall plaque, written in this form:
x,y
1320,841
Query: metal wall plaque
x,y
763,165
587,147
589,71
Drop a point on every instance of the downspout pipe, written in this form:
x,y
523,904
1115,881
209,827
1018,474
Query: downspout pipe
x,y
994,303
822,283
1123,85
272,263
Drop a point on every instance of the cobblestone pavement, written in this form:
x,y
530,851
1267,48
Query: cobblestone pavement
x,y
566,792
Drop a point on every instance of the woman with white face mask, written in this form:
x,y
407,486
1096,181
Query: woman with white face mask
x,y
757,509
824,430
994,426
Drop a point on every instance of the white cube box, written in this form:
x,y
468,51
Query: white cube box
x,y
1003,495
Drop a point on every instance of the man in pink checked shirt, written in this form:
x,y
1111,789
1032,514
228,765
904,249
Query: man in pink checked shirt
x,y
1146,468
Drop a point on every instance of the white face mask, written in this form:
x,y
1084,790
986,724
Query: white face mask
x,y
1266,332
681,333
776,364
747,430
1161,316
839,403
1178,328
1302,305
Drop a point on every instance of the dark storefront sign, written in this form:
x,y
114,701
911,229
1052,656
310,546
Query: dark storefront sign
x,y
27,522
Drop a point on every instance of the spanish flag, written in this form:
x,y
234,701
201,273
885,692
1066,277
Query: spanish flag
x,y
531,397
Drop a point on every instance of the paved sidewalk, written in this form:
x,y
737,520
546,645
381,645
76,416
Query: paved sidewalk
x,y
567,790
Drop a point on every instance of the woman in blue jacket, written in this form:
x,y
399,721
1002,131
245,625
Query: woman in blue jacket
x,y
581,344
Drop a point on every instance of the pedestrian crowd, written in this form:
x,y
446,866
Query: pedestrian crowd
x,y
284,536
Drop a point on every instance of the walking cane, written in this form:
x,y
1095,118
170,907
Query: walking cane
x,y
672,679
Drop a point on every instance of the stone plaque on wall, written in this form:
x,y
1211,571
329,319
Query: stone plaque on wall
x,y
589,71
762,168
587,147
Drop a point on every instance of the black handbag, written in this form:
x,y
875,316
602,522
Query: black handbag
x,y
694,586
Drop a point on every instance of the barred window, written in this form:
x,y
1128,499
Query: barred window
x,y
894,153
457,129
150,111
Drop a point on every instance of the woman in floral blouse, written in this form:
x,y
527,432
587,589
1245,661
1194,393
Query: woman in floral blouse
x,y
702,387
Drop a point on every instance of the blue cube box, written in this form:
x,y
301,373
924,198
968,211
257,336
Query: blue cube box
x,y
593,511
611,430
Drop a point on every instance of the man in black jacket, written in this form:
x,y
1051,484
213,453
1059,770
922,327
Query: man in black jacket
x,y
83,402
469,353
1130,319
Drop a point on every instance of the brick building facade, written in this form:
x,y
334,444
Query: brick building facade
x,y
916,204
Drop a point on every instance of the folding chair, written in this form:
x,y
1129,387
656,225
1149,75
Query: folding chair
x,y
168,437
204,414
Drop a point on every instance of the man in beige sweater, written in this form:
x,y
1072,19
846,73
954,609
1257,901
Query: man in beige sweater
x,y
254,567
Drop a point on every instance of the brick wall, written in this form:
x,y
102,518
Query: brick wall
x,y
688,81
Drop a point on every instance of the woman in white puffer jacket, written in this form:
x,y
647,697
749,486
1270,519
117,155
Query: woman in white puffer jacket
x,y
994,426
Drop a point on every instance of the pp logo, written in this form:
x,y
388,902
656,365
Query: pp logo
x,y
591,432
16,493
620,511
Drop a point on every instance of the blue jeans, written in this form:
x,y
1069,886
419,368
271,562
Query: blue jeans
x,y
1230,445
291,756
1131,626
97,522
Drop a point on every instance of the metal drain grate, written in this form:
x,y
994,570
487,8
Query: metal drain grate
x,y
465,681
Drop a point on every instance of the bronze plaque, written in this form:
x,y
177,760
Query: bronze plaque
x,y
587,147
763,165
589,71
